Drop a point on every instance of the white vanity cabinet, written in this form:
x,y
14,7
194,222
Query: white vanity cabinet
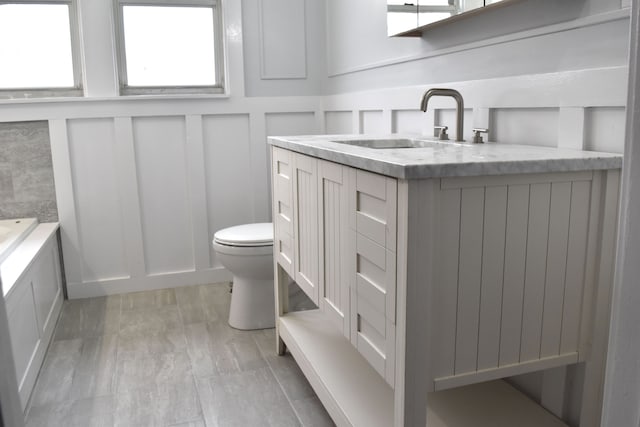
x,y
432,289
344,241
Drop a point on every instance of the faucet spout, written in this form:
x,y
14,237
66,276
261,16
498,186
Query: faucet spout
x,y
459,106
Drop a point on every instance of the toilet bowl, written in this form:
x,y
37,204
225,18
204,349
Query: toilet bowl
x,y
247,252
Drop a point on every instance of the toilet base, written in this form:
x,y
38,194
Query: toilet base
x,y
252,304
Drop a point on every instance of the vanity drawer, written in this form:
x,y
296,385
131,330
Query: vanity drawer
x,y
282,191
373,207
373,303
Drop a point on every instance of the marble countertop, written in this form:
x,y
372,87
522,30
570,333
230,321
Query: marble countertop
x,y
446,158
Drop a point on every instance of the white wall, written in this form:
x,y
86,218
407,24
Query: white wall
x,y
284,47
528,37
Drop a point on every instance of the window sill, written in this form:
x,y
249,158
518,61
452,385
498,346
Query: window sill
x,y
117,98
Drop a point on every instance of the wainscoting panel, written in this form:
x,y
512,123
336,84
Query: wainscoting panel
x,y
164,194
100,227
604,129
372,122
303,123
143,184
227,150
409,121
533,126
338,122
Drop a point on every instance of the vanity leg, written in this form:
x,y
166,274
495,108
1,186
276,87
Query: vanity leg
x,y
281,289
416,206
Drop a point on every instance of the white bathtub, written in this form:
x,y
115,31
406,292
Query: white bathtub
x,y
12,232
32,288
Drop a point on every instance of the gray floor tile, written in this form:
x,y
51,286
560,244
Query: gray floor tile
x,y
215,302
147,344
266,340
190,305
249,399
92,412
311,412
91,317
284,368
168,358
56,375
149,321
216,348
95,370
139,372
148,299
159,404
290,377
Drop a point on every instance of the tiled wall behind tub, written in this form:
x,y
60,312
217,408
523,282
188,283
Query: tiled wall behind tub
x,y
26,172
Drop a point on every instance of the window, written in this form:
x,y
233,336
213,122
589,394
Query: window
x,y
36,49
168,47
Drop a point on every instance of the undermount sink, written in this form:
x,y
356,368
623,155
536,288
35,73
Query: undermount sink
x,y
390,143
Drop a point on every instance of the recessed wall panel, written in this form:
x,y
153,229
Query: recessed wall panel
x,y
604,129
371,122
98,207
530,126
162,184
283,124
228,171
408,121
283,39
338,122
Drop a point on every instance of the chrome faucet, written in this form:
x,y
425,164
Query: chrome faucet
x,y
459,106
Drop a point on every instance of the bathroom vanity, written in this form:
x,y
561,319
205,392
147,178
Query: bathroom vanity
x,y
439,268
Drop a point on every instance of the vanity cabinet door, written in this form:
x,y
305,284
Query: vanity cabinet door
x,y
305,222
282,194
372,254
333,234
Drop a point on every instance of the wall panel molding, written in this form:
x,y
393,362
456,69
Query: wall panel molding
x,y
196,180
129,196
224,142
283,48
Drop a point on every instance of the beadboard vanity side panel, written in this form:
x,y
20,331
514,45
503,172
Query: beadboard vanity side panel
x,y
521,249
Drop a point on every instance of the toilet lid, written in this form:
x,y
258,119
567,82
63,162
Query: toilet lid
x,y
260,234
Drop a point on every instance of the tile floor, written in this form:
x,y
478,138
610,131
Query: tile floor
x,y
167,358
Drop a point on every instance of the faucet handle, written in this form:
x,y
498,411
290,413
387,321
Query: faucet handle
x,y
441,132
477,137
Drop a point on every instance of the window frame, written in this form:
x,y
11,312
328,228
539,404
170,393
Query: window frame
x,y
218,88
74,33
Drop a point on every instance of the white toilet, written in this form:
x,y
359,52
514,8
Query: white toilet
x,y
247,252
